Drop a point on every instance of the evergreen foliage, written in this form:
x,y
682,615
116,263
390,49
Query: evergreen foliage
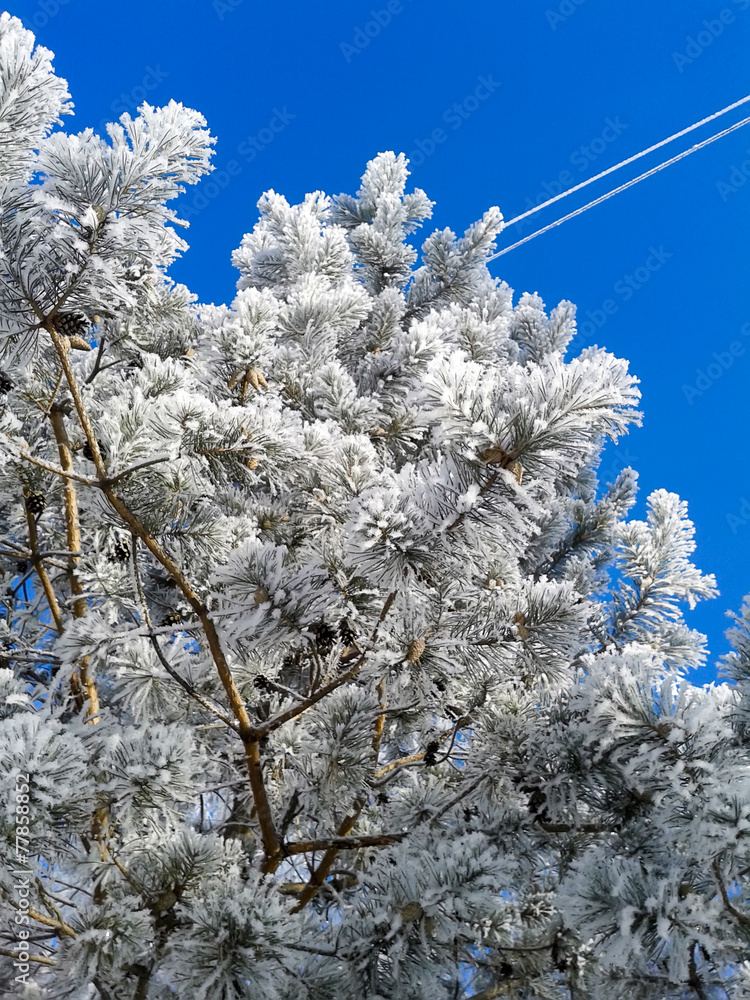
x,y
328,666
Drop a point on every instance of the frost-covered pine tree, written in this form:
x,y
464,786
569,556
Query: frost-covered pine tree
x,y
329,669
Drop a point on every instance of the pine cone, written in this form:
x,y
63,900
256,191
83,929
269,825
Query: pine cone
x,y
173,618
517,469
35,501
120,551
5,383
495,455
79,344
411,912
165,902
519,620
262,683
414,650
346,633
537,803
324,636
70,324
291,660
429,757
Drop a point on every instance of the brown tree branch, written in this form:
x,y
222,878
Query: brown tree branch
x,y
58,472
73,535
321,872
380,721
36,561
58,925
249,736
343,843
415,757
185,685
738,916
38,959
490,993
313,699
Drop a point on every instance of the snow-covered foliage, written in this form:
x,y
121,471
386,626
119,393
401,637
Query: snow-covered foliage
x,y
328,666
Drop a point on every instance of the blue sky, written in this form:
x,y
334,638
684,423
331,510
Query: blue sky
x,y
526,96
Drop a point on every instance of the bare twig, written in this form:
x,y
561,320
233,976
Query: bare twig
x,y
738,916
189,689
37,959
140,465
58,472
458,797
59,925
97,363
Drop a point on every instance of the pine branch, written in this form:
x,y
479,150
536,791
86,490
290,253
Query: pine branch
x,y
694,980
189,689
58,472
59,925
296,710
587,828
482,491
73,533
97,361
455,799
122,869
37,959
741,918
36,561
138,467
185,685
250,739
342,843
329,858
416,758
321,872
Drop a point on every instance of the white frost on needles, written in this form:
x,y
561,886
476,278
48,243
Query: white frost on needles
x,y
329,668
